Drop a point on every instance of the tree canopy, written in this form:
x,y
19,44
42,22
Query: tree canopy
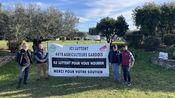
x,y
153,19
110,27
32,22
93,31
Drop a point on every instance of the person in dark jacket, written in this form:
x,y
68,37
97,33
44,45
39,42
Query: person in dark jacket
x,y
23,58
127,63
36,45
115,60
41,57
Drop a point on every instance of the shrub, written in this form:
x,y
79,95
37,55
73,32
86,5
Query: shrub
x,y
171,52
169,39
13,45
151,44
134,40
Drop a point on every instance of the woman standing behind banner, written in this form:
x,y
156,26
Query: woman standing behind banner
x,y
115,60
23,57
41,57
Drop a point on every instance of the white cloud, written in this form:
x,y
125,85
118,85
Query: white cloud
x,y
42,5
102,8
94,10
112,8
83,20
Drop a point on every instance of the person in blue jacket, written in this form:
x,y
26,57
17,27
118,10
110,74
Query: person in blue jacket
x,y
115,60
41,57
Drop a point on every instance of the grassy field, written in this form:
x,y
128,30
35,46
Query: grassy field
x,y
3,44
149,81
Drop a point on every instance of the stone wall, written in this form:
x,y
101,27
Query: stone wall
x,y
5,59
168,64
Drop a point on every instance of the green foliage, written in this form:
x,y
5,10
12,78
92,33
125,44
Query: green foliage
x,y
147,18
154,19
167,18
169,39
93,31
31,21
110,27
14,45
121,26
151,44
171,52
106,27
134,39
4,22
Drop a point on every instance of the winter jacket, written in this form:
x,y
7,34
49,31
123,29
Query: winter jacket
x,y
114,57
41,56
126,57
24,57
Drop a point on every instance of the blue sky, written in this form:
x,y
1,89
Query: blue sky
x,y
91,11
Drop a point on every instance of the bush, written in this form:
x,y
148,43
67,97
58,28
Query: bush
x,y
171,52
151,44
169,39
134,40
13,45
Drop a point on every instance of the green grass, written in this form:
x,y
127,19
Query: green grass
x,y
149,81
3,44
5,53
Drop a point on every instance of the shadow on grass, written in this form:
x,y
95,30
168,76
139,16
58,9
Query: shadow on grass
x,y
55,86
60,86
5,52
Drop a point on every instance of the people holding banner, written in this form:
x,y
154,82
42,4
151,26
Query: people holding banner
x,y
23,57
41,57
127,64
115,60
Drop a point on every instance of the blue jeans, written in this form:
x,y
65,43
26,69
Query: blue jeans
x,y
116,71
24,71
126,73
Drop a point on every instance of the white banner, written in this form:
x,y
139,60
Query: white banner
x,y
163,55
78,60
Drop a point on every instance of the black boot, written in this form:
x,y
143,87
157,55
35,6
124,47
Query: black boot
x,y
25,81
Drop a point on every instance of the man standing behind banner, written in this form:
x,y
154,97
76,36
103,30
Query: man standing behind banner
x,y
41,57
127,63
115,59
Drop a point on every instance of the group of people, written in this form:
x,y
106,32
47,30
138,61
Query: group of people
x,y
125,59
24,57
